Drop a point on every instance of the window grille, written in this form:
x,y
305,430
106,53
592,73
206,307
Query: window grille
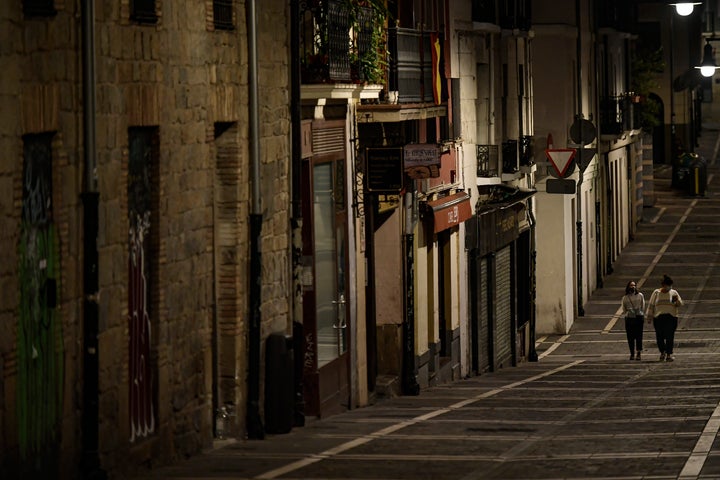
x,y
483,11
337,38
143,11
223,14
515,14
487,160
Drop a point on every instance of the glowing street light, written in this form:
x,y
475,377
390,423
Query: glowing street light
x,y
684,8
708,67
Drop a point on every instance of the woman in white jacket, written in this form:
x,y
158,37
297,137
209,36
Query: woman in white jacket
x,y
663,310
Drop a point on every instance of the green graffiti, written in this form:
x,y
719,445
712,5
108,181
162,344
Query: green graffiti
x,y
40,345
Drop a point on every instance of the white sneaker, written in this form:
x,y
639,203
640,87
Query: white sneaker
x,y
662,357
670,358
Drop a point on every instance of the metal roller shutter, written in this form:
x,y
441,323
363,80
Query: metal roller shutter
x,y
503,312
483,320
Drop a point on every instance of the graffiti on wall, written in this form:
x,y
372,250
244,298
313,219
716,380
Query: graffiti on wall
x,y
142,420
142,416
39,334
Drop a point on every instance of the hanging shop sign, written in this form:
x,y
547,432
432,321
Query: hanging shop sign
x,y
499,226
422,160
384,170
450,211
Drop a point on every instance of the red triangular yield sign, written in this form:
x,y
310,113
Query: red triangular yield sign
x,y
560,158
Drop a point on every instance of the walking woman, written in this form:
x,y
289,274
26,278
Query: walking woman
x,y
633,306
663,310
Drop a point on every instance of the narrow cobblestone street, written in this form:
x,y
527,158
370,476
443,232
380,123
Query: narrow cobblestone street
x,y
584,410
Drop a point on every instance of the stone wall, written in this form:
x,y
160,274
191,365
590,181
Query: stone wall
x,y
39,343
186,82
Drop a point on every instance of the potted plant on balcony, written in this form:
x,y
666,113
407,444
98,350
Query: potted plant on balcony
x,y
327,57
371,50
645,70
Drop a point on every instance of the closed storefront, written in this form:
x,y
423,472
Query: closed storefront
x,y
500,292
504,299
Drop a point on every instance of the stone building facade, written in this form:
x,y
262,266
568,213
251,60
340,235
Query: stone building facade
x,y
172,179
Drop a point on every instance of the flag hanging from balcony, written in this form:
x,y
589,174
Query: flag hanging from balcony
x,y
436,80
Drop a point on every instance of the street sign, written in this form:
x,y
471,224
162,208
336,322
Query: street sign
x,y
560,185
582,131
586,156
421,160
560,158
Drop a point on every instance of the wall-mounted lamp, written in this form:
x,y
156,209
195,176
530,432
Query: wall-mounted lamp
x,y
708,67
685,8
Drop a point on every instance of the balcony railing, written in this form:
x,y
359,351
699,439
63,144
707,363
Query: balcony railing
x,y
484,11
338,42
515,14
487,160
614,14
527,150
616,115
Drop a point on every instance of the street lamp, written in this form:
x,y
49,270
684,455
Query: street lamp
x,y
707,67
684,8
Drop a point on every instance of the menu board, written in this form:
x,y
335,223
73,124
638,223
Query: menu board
x,y
384,170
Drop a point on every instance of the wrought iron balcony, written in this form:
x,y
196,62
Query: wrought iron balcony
x,y
487,160
515,14
616,114
527,150
339,42
614,14
484,11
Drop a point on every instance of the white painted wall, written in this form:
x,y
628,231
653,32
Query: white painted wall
x,y
555,262
618,162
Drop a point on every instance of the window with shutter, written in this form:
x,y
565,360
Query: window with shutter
x,y
143,11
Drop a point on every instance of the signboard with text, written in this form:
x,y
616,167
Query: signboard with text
x,y
421,160
384,170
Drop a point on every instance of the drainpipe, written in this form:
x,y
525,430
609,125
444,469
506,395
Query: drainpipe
x,y
409,372
532,353
296,220
581,310
90,468
255,429
598,211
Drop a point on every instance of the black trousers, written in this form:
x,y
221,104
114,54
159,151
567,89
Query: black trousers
x,y
634,331
665,326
